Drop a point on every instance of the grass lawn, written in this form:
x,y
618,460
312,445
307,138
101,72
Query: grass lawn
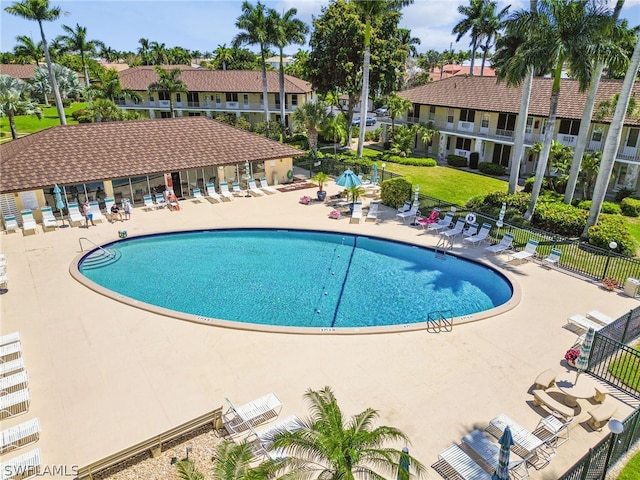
x,y
30,123
627,370
632,470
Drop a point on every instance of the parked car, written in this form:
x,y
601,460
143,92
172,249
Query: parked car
x,y
382,111
368,122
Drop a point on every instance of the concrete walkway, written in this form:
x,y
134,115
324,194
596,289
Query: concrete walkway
x,y
104,375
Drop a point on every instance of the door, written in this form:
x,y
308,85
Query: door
x,y
177,186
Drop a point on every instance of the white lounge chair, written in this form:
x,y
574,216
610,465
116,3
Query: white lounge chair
x,y
148,202
161,202
260,410
461,463
224,191
10,224
21,467
599,317
28,222
441,224
75,217
10,338
95,209
11,366
372,214
14,382
237,191
506,243
406,206
108,203
48,219
528,252
481,236
254,190
553,258
197,195
455,231
15,403
583,322
489,451
10,350
20,435
265,186
356,215
471,230
262,440
212,195
409,214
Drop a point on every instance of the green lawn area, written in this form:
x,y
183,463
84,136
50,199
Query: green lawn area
x,y
30,123
632,470
627,370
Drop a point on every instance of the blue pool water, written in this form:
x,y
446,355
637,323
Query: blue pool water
x,y
295,278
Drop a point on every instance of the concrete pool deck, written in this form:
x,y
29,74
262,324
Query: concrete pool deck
x,y
104,375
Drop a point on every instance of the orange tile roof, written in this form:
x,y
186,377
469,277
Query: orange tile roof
x,y
198,80
97,151
486,94
18,71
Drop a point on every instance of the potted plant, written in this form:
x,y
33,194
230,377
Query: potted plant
x,y
571,356
320,179
610,283
354,193
305,200
335,214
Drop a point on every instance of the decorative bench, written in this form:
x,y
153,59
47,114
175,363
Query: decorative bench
x,y
546,379
600,415
540,397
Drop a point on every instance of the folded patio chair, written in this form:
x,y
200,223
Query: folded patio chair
x,y
262,440
95,209
212,195
265,186
48,219
488,451
372,214
553,258
10,224
75,217
237,191
432,218
161,202
553,430
356,215
28,222
20,435
197,195
224,191
481,236
148,202
506,243
528,252
456,463
260,410
254,190
442,224
22,467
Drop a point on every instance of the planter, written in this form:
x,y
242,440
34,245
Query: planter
x,y
321,195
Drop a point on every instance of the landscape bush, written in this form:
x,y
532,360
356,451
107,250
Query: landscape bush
x,y
560,218
395,191
630,207
607,207
373,135
612,228
494,169
528,184
414,161
456,160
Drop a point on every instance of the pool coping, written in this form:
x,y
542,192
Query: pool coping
x,y
255,327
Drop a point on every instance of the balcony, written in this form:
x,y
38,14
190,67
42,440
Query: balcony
x,y
567,140
205,105
193,104
465,126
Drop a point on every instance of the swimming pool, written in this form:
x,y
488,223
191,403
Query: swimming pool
x,y
293,278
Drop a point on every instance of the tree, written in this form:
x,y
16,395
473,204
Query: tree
x,y
169,82
67,80
397,106
223,55
13,101
254,30
232,461
144,51
298,68
107,85
27,48
331,447
612,142
491,24
426,133
76,41
334,127
103,110
159,53
39,11
285,30
590,166
471,24
187,470
310,116
371,10
408,42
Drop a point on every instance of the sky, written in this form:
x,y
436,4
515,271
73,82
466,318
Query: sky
x,y
203,25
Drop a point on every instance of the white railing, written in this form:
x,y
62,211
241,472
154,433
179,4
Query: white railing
x,y
163,103
462,153
567,140
465,126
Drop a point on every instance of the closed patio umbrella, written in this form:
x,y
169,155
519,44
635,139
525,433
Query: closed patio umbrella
x,y
348,179
59,203
374,175
403,465
582,362
506,441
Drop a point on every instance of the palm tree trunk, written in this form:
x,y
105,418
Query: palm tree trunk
x,y
85,70
265,90
12,125
282,94
173,113
473,55
612,142
52,78
543,159
585,121
365,95
518,142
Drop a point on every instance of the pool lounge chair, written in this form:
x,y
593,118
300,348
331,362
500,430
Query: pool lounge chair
x,y
599,317
254,190
553,258
10,351
442,224
455,231
481,236
28,222
356,215
528,252
471,230
48,219
583,322
262,440
212,195
197,195
237,191
413,212
456,463
261,410
22,467
432,218
372,214
9,338
20,435
265,186
15,403
75,217
161,202
14,382
11,366
11,224
488,451
224,191
148,202
95,209
506,243
406,206
108,203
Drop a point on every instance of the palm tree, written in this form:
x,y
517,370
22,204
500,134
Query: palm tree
x,y
107,85
590,166
334,127
408,42
491,24
472,24
371,10
39,11
159,53
143,51
426,133
330,447
397,106
13,101
76,41
607,52
310,116
612,142
169,82
254,30
27,48
104,110
285,30
223,55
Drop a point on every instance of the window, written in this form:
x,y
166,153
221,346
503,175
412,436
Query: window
x,y
151,98
467,115
569,127
178,97
164,96
231,97
501,154
506,121
294,99
485,120
218,99
245,98
432,112
193,97
597,134
463,144
450,115
194,114
165,114
277,100
632,138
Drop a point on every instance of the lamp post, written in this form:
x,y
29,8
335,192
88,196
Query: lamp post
x,y
616,427
612,246
383,167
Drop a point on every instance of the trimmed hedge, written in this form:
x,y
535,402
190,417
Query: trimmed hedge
x,y
607,207
612,227
456,160
630,207
492,168
413,161
560,218
395,191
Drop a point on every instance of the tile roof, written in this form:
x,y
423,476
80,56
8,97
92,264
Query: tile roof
x,y
97,151
18,71
486,94
199,80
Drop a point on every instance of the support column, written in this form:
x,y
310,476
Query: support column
x,y
442,146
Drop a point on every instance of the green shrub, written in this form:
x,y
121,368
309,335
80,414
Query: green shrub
x,y
395,191
559,218
630,207
374,135
528,184
607,207
414,161
494,169
456,160
623,193
612,228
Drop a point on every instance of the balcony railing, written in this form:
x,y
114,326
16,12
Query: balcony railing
x,y
206,105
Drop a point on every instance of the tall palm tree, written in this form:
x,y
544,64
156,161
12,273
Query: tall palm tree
x,y
612,142
159,53
223,55
310,116
107,85
491,25
371,10
27,48
143,50
607,52
408,42
332,447
472,24
285,30
76,41
254,30
13,101
39,11
397,106
169,82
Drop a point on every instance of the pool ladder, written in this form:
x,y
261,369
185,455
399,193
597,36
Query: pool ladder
x,y
440,321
